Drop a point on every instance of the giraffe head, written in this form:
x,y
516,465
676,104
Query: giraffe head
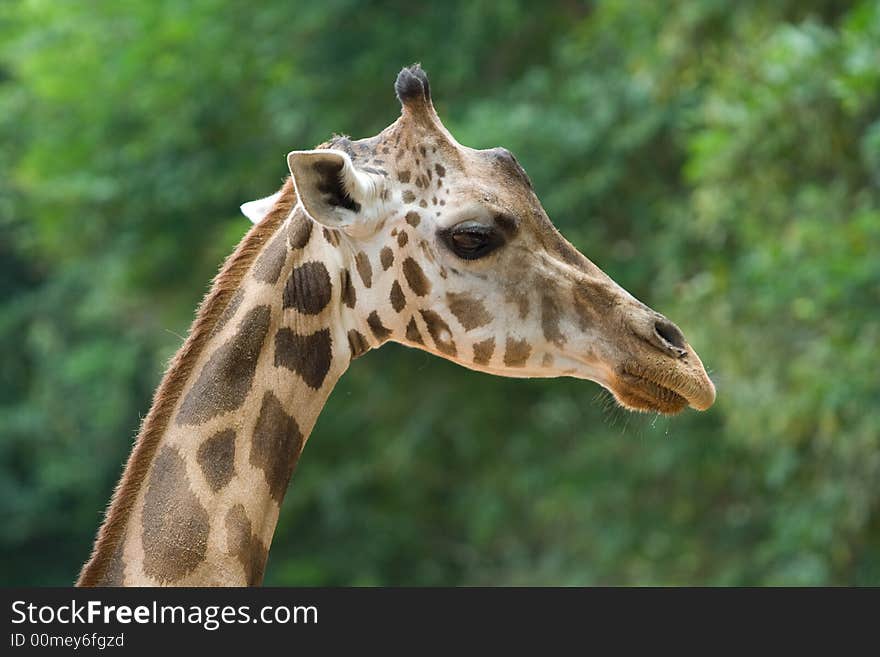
x,y
456,256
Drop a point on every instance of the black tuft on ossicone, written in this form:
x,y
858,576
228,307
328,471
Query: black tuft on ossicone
x,y
411,84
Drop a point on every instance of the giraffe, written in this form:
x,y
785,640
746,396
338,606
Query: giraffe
x,y
407,236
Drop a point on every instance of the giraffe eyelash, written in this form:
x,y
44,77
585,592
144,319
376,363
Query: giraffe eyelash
x,y
471,240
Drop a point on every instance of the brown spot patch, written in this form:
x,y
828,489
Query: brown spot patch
x,y
516,352
520,299
175,525
403,176
402,239
300,231
441,171
228,312
416,278
242,544
377,327
216,456
398,300
408,196
331,236
426,251
413,218
423,203
226,378
508,224
357,343
268,266
386,257
308,289
412,332
307,355
439,331
550,321
348,294
483,351
362,262
469,311
276,445
592,301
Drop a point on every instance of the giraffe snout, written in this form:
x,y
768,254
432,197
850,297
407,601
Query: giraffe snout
x,y
662,371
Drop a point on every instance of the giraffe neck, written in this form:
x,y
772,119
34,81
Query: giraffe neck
x,y
199,505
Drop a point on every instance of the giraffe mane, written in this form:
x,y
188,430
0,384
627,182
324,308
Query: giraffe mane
x,y
178,373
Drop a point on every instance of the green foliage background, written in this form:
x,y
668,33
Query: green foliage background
x,y
720,160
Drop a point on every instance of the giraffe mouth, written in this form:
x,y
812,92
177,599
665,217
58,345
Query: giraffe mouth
x,y
640,394
668,392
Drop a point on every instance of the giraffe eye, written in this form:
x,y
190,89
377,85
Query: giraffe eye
x,y
471,240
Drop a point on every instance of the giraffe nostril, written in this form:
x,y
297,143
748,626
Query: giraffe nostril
x,y
670,334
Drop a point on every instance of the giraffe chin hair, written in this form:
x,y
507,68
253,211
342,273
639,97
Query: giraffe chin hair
x,y
668,393
638,394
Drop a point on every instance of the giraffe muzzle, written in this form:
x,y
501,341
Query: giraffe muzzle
x,y
663,372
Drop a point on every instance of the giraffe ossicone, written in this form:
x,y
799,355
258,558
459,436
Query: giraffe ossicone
x,y
407,236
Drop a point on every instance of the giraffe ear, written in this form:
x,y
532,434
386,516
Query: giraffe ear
x,y
256,210
332,189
